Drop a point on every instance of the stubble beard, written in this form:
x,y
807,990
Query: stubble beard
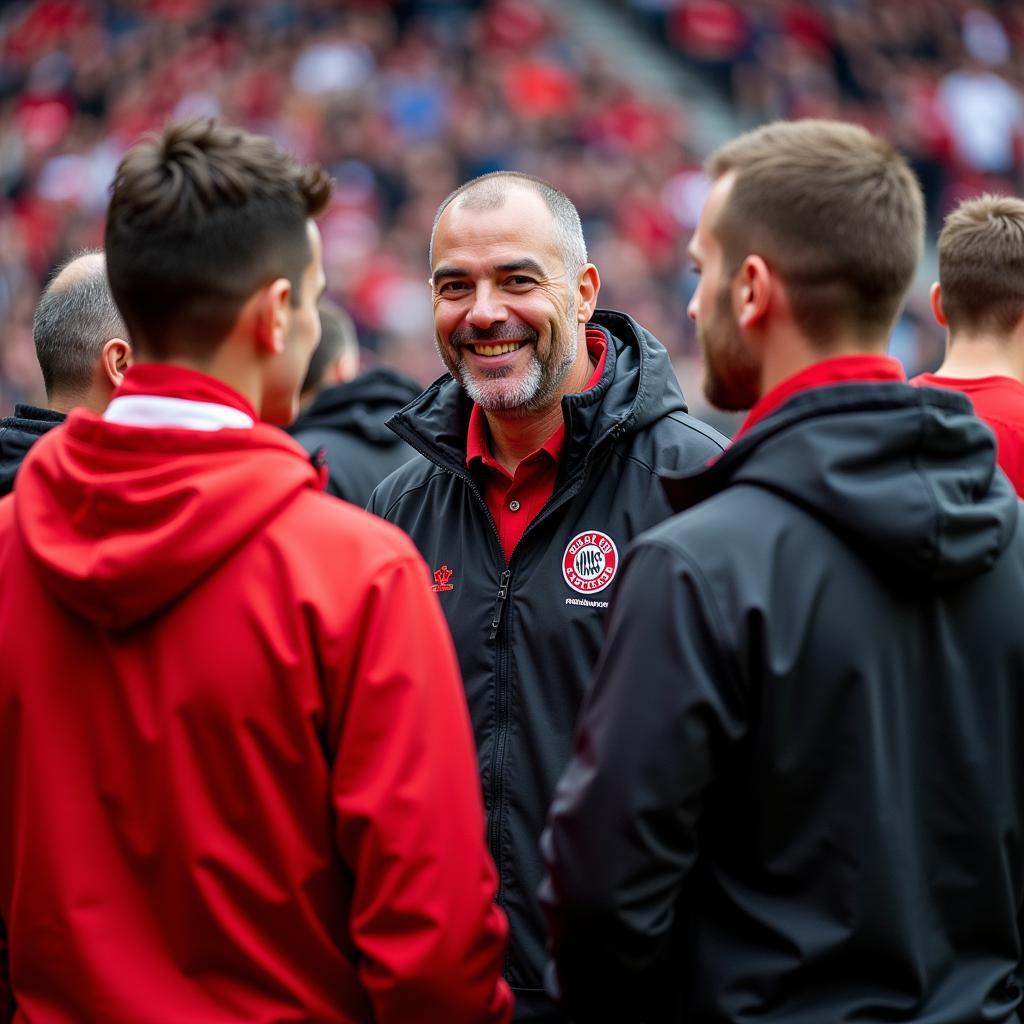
x,y
732,376
500,389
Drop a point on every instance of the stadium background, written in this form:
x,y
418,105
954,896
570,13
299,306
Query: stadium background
x,y
615,101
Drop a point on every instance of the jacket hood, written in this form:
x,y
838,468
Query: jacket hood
x,y
908,475
121,521
360,406
17,434
637,387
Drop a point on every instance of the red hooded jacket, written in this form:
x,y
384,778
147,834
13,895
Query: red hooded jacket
x,y
237,780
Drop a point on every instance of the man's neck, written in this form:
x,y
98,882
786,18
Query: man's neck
x,y
782,361
513,437
63,403
972,357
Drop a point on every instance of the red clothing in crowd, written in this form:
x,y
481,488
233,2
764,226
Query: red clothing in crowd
x,y
999,401
514,501
237,780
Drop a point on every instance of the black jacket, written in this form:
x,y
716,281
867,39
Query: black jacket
x,y
17,434
526,639
798,787
348,422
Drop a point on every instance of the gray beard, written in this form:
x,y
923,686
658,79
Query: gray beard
x,y
534,390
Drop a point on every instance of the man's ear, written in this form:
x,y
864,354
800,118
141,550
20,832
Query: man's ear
x,y
589,286
272,315
752,292
936,299
115,358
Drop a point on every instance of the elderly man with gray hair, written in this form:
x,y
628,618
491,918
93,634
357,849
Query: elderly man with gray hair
x,y
82,350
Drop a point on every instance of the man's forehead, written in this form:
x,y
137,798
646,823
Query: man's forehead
x,y
519,210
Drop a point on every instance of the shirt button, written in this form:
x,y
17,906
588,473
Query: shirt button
x,y
513,506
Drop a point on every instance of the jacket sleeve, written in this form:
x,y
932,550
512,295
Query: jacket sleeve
x,y
657,726
376,504
409,815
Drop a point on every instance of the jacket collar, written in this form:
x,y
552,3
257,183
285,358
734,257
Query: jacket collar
x,y
637,387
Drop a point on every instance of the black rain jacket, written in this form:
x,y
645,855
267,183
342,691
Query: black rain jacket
x,y
526,639
348,422
17,434
798,787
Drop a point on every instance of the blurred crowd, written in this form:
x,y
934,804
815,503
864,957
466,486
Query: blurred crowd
x,y
403,100
941,78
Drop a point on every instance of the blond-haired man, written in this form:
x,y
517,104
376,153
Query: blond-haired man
x,y
979,299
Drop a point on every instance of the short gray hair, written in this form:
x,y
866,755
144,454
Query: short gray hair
x,y
72,323
488,192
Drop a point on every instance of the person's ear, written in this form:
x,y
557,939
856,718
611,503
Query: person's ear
x,y
271,314
752,292
936,299
115,358
588,288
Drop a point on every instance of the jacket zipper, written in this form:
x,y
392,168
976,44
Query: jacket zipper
x,y
495,811
502,704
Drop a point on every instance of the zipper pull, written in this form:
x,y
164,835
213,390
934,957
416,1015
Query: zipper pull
x,y
500,603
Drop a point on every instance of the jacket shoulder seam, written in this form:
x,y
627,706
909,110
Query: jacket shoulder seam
x,y
410,489
698,427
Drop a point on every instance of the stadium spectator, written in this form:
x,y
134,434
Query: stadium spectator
x,y
979,299
539,464
82,352
796,792
345,411
236,769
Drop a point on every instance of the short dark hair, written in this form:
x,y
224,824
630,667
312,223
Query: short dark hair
x,y
74,319
201,215
836,210
337,337
981,265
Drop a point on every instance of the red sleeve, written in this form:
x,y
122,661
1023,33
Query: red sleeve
x,y
410,821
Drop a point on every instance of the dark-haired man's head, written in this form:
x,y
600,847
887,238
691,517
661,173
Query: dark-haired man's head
x,y
980,291
214,259
810,238
336,358
80,339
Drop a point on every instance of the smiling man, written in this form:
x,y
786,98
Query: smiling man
x,y
540,453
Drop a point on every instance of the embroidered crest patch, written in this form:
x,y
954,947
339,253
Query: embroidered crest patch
x,y
589,562
441,579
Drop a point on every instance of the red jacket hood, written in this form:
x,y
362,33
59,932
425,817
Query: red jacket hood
x,y
122,520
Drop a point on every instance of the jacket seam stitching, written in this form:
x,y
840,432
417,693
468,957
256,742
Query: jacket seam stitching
x,y
410,489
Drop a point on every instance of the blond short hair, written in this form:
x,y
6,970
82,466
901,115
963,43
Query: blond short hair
x,y
981,265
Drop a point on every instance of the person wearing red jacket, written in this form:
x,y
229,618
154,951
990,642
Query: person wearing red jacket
x,y
236,770
979,299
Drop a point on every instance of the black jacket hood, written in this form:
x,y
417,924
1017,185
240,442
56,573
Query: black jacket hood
x,y
360,406
637,387
913,486
17,434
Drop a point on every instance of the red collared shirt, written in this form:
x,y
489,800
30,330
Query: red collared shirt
x,y
838,370
515,500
